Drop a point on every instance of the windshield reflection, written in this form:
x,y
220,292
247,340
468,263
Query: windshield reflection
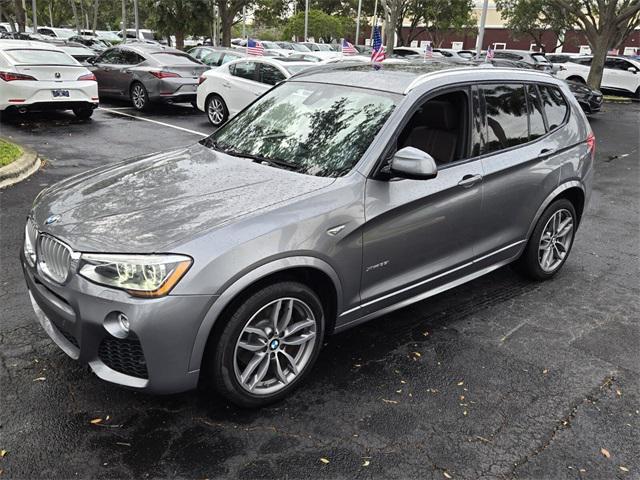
x,y
315,129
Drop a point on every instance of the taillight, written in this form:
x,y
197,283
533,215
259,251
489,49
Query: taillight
x,y
10,76
591,143
201,79
163,74
88,76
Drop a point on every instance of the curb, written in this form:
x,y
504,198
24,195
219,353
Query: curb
x,y
616,99
22,168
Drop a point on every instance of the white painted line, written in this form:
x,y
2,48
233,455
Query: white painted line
x,y
117,108
154,121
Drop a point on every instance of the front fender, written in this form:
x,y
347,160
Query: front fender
x,y
225,297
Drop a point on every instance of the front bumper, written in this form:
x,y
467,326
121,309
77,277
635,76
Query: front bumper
x,y
153,357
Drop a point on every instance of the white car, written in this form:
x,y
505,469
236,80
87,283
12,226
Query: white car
x,y
40,76
620,74
226,90
54,32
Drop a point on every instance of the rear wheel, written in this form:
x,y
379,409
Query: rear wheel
x,y
550,242
268,345
216,110
139,96
83,113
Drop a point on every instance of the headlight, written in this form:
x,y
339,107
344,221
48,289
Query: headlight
x,y
30,236
139,275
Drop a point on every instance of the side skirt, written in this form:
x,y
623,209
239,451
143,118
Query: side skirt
x,y
425,295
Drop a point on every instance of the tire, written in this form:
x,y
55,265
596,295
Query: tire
x,y
533,262
83,113
216,110
139,96
266,348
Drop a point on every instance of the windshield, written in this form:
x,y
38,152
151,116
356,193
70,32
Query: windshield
x,y
40,57
299,48
323,47
311,128
271,45
64,33
540,58
296,68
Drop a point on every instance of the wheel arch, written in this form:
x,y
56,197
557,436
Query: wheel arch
x,y
573,190
312,271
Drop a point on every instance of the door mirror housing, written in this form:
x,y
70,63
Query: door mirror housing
x,y
412,163
632,69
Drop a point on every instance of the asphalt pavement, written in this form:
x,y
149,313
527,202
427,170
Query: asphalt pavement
x,y
499,378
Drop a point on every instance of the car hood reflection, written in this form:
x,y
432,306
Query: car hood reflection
x,y
149,203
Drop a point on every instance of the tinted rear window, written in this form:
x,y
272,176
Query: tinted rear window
x,y
40,57
555,106
507,124
174,59
540,58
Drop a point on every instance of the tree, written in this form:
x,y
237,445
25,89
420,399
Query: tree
x,y
321,25
605,23
179,18
438,17
534,18
392,11
229,10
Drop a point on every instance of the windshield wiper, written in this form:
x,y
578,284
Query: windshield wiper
x,y
207,142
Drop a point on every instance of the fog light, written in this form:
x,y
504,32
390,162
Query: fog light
x,y
123,320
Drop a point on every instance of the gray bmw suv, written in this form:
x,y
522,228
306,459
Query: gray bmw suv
x,y
342,194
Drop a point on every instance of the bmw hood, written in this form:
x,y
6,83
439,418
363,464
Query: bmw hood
x,y
146,204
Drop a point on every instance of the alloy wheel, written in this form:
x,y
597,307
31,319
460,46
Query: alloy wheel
x,y
275,346
138,96
216,111
555,240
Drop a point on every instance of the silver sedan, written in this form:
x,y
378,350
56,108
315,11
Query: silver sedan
x,y
148,73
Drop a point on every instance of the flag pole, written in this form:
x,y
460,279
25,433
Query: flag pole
x,y
358,22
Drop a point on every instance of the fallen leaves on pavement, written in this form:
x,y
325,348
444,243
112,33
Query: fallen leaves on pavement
x,y
605,452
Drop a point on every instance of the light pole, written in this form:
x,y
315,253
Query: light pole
x,y
35,16
358,22
483,21
306,21
135,17
244,22
124,21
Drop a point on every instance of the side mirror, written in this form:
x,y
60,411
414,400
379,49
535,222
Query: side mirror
x,y
632,69
92,60
412,163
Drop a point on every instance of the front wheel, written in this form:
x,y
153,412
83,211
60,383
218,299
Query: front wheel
x,y
550,242
268,345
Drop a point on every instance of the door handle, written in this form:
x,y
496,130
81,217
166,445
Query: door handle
x,y
546,152
226,85
127,71
470,180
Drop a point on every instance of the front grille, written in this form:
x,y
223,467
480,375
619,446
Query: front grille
x,y
54,258
124,355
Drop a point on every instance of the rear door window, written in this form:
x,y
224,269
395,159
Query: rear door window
x,y
555,106
211,58
536,117
270,74
174,59
131,58
506,116
246,70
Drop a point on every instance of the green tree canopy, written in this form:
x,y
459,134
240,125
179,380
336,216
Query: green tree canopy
x,y
321,26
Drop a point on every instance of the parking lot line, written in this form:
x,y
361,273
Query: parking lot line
x,y
111,110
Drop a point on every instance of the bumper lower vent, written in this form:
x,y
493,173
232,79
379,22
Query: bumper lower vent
x,y
124,355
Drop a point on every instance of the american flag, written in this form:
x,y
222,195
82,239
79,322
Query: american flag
x,y
377,54
255,47
348,48
428,51
490,53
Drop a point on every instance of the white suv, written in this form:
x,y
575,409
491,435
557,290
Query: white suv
x,y
620,74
